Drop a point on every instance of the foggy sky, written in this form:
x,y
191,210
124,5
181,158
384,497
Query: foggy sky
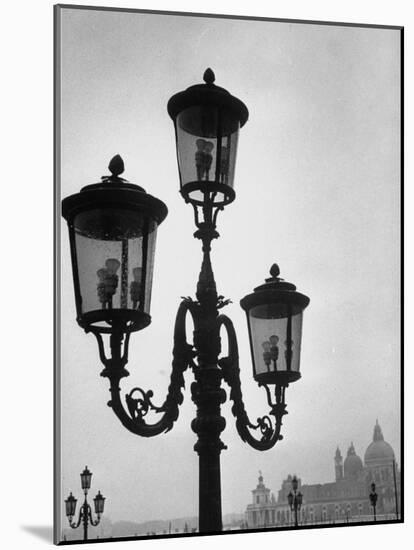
x,y
317,184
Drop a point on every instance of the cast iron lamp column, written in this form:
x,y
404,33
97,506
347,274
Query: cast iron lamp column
x,y
373,497
85,512
112,228
295,499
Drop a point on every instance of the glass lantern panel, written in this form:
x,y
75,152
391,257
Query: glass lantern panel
x,y
276,342
115,258
99,501
86,477
70,503
149,268
207,146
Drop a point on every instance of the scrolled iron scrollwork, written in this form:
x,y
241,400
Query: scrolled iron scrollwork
x,y
91,520
138,401
266,427
270,431
139,407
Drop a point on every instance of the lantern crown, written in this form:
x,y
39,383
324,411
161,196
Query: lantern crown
x,y
113,190
207,93
274,289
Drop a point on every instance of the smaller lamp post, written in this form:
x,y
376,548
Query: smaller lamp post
x,y
373,497
85,512
295,499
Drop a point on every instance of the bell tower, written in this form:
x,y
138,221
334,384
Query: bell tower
x,y
339,465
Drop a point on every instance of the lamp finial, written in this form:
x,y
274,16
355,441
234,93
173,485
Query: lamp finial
x,y
275,271
209,76
116,166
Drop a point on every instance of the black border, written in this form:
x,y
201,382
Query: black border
x,y
56,274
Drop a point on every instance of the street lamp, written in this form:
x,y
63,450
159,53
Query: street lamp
x,y
85,512
295,499
112,229
373,497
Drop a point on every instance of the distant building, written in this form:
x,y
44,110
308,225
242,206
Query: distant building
x,y
344,500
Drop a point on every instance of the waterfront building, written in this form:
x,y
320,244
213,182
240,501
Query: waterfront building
x,y
346,499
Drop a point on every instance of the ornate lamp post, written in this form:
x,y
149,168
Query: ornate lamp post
x,y
112,228
85,512
295,499
373,497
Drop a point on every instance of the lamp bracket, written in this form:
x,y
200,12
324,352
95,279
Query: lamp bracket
x,y
91,521
138,401
76,524
270,430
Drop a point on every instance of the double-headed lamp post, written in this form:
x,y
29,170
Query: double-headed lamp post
x,y
112,230
373,497
85,512
295,499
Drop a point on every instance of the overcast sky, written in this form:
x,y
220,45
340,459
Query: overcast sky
x,y
317,183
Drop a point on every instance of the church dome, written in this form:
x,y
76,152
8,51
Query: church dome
x,y
379,452
353,464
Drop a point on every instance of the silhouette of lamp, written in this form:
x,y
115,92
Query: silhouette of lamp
x,y
373,497
85,512
112,227
295,499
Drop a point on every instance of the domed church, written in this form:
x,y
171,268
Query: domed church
x,y
344,500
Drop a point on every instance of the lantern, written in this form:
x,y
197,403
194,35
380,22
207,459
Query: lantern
x,y
99,502
295,483
290,499
70,504
299,499
274,317
112,232
207,120
86,477
373,495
